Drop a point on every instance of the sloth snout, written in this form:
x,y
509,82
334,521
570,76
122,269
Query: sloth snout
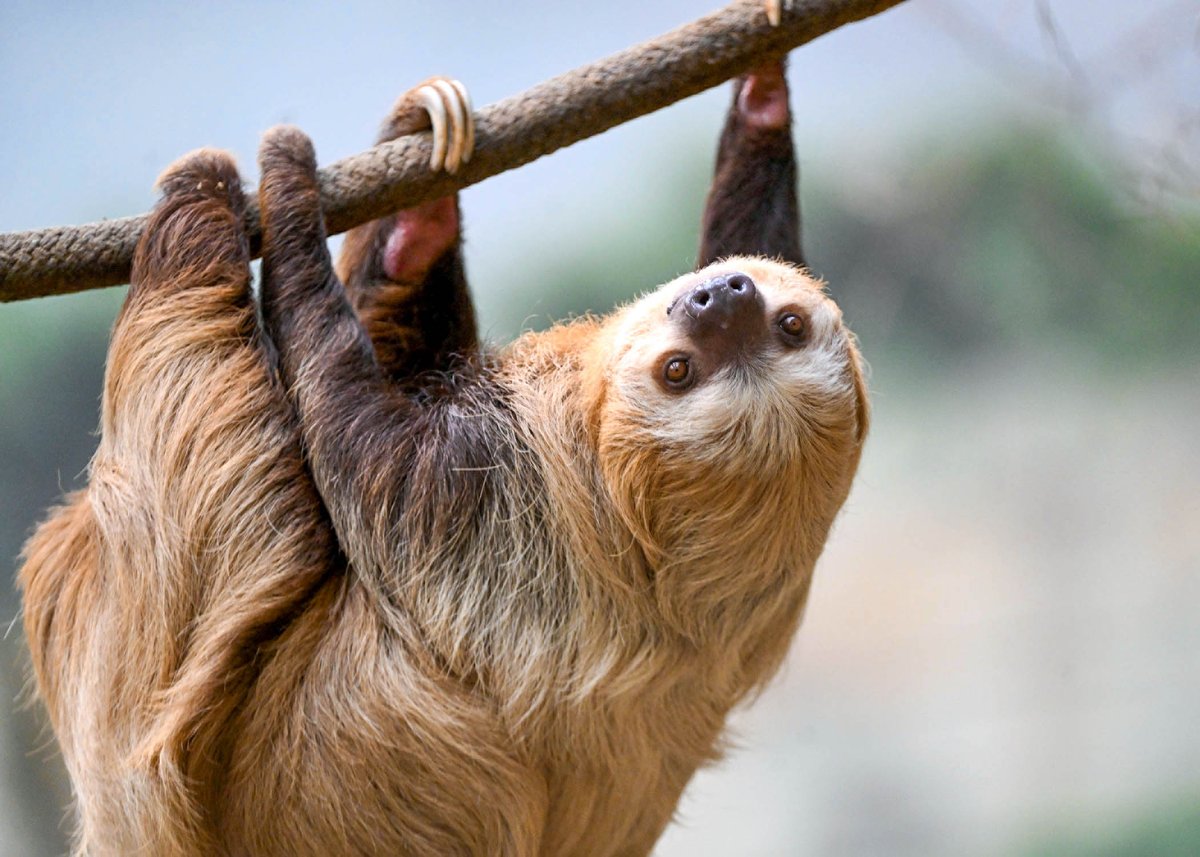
x,y
721,298
726,307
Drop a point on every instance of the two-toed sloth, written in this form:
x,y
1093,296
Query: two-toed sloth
x,y
343,582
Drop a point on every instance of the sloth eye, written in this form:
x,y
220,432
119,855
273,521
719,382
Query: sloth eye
x,y
677,372
794,327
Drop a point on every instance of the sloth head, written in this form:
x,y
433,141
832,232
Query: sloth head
x,y
732,421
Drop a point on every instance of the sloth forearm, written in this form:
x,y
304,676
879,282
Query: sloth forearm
x,y
346,409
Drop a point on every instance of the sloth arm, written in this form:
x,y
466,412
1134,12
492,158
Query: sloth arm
x,y
752,206
404,273
363,435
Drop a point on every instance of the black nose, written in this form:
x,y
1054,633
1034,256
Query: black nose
x,y
726,305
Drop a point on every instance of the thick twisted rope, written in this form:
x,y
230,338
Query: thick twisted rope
x,y
510,133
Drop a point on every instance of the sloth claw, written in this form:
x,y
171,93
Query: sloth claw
x,y
775,9
444,106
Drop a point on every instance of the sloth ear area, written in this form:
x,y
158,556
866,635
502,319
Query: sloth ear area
x,y
442,105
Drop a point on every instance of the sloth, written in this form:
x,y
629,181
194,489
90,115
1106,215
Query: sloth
x,y
345,581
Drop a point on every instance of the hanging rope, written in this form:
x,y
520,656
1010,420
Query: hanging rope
x,y
512,132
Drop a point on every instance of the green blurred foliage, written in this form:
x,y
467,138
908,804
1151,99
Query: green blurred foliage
x,y
51,366
1017,242
1171,830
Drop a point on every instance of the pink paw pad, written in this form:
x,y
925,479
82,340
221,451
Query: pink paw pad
x,y
418,239
763,99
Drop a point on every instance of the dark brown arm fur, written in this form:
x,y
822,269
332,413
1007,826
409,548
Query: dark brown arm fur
x,y
752,207
377,450
419,316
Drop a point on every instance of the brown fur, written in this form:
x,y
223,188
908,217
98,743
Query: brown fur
x,y
558,577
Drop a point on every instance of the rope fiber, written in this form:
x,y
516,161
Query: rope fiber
x,y
394,175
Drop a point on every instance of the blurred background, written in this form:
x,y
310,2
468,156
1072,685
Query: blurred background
x,y
1002,648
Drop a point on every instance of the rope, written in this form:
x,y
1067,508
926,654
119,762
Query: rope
x,y
510,133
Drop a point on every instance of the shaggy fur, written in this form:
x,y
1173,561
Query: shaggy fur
x,y
503,608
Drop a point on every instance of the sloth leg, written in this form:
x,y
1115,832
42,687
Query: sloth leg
x,y
109,582
205,435
752,207
404,273
199,534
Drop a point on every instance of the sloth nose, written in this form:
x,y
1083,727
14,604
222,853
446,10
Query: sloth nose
x,y
721,295
727,305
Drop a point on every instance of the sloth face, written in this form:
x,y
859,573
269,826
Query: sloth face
x,y
745,355
730,428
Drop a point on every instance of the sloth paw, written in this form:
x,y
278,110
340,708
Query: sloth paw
x,y
775,10
443,105
204,173
195,236
288,196
762,99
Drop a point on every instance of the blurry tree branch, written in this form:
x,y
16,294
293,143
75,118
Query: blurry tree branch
x,y
394,175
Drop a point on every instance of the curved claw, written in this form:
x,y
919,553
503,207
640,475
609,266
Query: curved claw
x,y
432,102
775,9
464,101
449,108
